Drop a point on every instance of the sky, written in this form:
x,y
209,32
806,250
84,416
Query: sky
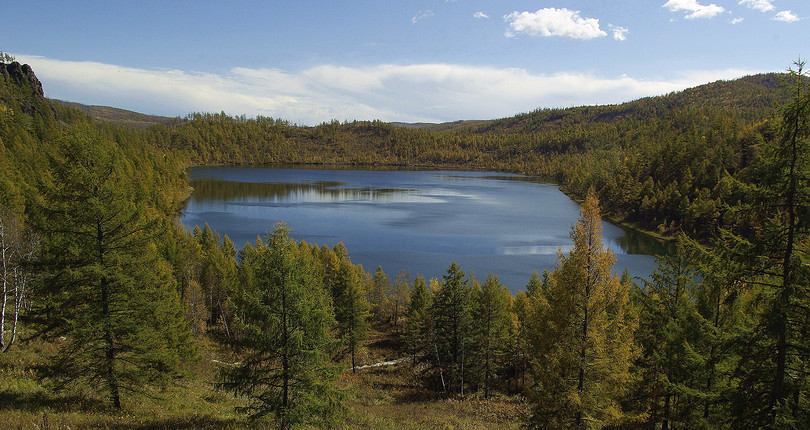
x,y
394,60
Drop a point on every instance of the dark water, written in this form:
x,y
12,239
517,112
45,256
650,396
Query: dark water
x,y
415,221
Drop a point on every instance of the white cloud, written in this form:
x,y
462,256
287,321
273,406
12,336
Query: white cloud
x,y
760,5
412,93
786,16
553,22
422,15
480,15
619,33
737,20
694,9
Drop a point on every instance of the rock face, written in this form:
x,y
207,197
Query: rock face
x,y
22,75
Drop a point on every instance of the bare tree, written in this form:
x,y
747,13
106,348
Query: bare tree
x,y
17,247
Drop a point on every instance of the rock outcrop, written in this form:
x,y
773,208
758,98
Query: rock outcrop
x,y
21,74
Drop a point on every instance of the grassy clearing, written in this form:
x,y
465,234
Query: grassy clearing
x,y
386,397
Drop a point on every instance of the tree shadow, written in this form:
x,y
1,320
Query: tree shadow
x,y
42,401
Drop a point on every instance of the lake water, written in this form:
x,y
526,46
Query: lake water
x,y
414,221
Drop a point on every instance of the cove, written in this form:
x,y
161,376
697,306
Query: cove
x,y
418,221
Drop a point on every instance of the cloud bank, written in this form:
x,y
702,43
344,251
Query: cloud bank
x,y
389,92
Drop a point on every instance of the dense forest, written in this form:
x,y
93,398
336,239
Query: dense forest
x,y
109,304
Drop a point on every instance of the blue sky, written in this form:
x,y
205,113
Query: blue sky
x,y
415,60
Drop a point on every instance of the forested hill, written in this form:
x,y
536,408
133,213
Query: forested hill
x,y
664,163
657,162
753,96
33,136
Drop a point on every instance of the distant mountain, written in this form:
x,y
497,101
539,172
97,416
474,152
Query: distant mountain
x,y
119,116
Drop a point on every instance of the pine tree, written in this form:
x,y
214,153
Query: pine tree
x,y
586,342
105,290
283,320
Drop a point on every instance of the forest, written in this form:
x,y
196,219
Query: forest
x,y
114,315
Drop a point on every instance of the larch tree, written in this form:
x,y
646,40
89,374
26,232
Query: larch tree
x,y
351,307
452,326
581,364
282,330
378,295
675,342
771,259
106,291
490,331
417,321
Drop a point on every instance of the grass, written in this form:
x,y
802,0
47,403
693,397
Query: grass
x,y
386,397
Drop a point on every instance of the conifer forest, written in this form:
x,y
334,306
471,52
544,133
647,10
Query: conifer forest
x,y
115,315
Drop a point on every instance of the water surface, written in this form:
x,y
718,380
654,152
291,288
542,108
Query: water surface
x,y
414,221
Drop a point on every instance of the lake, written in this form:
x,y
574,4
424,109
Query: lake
x,y
408,220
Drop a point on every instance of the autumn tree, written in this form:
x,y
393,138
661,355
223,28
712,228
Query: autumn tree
x,y
350,305
586,343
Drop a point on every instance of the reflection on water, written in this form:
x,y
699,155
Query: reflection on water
x,y
637,242
417,221
208,190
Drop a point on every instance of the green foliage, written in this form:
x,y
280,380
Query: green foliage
x,y
674,369
418,325
490,332
767,249
452,326
350,304
378,296
283,321
105,289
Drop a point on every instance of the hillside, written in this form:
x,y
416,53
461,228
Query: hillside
x,y
118,116
753,97
655,162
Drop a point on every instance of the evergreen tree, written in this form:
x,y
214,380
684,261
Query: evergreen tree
x,y
417,323
351,307
452,327
283,320
674,339
769,252
105,290
378,295
491,329
586,344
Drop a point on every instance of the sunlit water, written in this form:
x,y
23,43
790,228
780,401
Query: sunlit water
x,y
414,221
